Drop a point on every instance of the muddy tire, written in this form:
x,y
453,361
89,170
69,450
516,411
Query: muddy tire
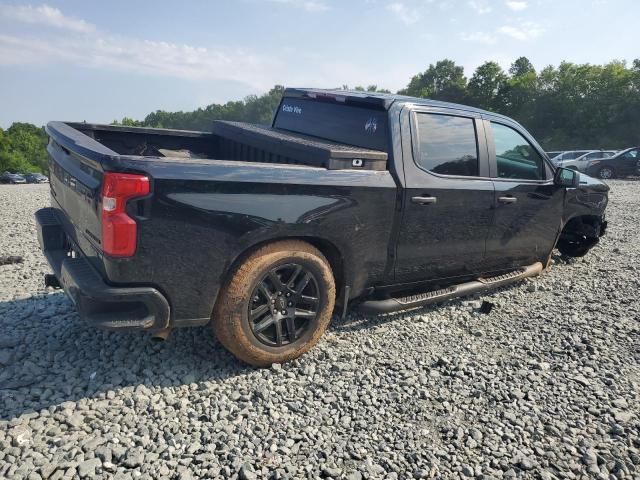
x,y
277,304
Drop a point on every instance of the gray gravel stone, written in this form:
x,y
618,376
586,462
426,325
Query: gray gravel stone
x,y
547,385
87,469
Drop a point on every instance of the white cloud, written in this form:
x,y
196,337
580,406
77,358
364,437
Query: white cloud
x,y
480,6
478,37
44,15
516,5
524,31
88,46
133,55
260,70
308,5
405,15
84,45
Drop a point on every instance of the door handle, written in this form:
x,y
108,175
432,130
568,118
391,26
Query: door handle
x,y
424,200
507,199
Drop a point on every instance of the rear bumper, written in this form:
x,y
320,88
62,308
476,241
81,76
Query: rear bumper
x,y
99,304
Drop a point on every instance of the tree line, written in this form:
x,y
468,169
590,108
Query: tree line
x,y
23,148
570,106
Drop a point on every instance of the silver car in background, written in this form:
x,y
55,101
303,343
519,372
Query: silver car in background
x,y
554,154
580,163
569,155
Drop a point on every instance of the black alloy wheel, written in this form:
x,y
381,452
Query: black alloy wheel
x,y
283,305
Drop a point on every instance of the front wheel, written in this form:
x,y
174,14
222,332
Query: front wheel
x,y
606,173
277,305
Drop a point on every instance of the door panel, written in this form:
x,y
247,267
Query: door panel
x,y
524,230
446,238
447,215
528,205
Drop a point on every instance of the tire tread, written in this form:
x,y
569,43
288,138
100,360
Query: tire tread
x,y
228,311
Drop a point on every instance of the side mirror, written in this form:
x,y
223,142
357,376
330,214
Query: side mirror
x,y
566,177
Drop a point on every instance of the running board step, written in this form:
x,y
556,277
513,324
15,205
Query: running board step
x,y
390,305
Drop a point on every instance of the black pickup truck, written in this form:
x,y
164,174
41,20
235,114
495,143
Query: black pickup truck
x,y
377,201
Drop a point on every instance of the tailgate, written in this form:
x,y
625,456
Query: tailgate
x,y
76,182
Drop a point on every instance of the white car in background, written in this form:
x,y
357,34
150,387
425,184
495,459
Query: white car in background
x,y
554,154
569,155
580,163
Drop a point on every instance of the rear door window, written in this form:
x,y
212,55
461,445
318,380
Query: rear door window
x,y
447,145
515,156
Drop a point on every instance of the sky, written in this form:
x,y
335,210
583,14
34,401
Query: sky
x,y
99,61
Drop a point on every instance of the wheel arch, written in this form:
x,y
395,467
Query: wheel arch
x,y
580,219
580,233
329,249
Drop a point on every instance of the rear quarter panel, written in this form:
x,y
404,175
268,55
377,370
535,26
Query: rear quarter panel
x,y
205,214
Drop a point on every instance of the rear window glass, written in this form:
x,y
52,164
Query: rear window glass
x,y
447,145
362,127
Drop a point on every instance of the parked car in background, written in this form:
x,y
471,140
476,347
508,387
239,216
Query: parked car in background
x,y
569,155
580,163
554,154
13,178
36,178
622,164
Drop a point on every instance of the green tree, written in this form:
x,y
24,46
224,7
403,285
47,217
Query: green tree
x,y
443,81
23,148
519,93
487,82
128,122
254,108
370,88
521,67
570,106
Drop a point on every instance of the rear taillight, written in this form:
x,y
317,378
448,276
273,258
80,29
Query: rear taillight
x,y
119,230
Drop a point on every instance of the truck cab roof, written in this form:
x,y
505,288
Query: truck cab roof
x,y
379,100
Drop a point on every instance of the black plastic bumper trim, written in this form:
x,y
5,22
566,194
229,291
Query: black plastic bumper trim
x,y
99,304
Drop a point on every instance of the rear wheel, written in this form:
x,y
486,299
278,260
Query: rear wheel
x,y
277,305
606,173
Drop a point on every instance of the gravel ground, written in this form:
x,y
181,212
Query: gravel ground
x,y
547,385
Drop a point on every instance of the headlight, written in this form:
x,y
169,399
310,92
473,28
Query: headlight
x,y
594,162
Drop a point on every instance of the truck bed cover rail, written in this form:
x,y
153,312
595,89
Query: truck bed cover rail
x,y
257,143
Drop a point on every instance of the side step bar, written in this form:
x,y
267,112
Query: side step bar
x,y
390,305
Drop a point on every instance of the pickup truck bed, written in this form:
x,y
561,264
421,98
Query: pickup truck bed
x,y
234,141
